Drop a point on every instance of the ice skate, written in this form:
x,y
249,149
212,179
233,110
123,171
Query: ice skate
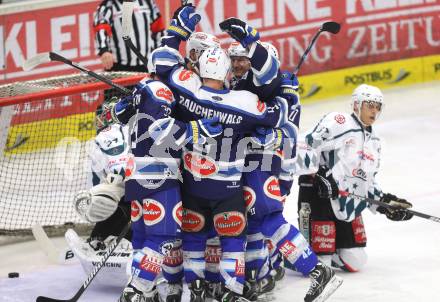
x,y
132,294
278,273
214,291
174,292
230,296
324,283
198,290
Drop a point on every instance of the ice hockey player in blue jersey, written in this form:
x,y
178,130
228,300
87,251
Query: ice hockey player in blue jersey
x,y
346,152
263,73
264,196
212,192
154,186
196,44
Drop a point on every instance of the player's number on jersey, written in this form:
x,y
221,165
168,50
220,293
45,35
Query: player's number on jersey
x,y
292,115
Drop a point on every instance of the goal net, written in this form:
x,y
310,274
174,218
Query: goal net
x,y
44,127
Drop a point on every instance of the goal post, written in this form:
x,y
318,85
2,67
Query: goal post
x,y
44,127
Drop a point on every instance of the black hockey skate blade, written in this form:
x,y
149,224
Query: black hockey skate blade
x,y
47,299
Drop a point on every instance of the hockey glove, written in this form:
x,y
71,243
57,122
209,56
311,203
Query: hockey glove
x,y
198,131
399,213
240,31
184,22
268,138
289,88
98,203
123,110
325,184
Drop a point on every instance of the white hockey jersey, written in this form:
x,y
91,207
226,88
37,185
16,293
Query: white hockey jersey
x,y
351,151
108,154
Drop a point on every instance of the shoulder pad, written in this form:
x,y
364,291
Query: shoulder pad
x,y
184,79
160,92
249,102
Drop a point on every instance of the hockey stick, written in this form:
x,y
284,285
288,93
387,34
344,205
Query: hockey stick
x,y
54,254
45,243
47,57
385,205
95,271
331,27
127,26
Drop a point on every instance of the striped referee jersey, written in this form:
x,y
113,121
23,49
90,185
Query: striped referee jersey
x,y
148,26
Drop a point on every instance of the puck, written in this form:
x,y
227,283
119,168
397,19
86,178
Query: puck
x,y
13,275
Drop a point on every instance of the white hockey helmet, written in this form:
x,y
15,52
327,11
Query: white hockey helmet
x,y
365,93
214,63
273,51
237,50
199,42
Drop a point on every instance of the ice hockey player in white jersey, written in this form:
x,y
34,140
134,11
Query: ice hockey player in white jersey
x,y
343,153
104,202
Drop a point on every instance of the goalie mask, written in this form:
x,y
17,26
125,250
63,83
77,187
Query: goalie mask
x,y
103,117
214,64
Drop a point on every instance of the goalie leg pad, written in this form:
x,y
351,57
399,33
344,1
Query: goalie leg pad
x,y
351,260
114,272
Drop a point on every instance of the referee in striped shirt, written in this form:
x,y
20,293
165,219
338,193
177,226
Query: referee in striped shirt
x,y
148,28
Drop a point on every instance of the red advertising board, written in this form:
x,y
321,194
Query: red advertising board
x,y
372,31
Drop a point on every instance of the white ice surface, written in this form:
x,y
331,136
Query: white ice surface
x,y
404,257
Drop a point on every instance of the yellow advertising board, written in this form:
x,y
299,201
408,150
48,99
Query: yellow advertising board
x,y
383,75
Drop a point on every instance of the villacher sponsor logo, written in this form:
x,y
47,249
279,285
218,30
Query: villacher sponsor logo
x,y
200,165
177,213
136,210
249,197
229,223
153,212
192,221
272,189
